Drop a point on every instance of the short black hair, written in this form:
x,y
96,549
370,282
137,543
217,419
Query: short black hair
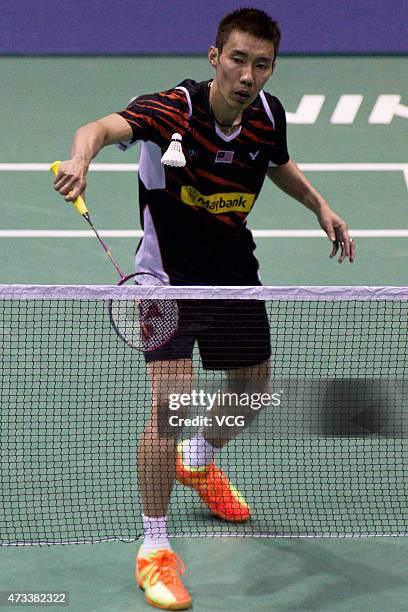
x,y
252,21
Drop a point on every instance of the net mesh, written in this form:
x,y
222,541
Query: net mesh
x,y
325,455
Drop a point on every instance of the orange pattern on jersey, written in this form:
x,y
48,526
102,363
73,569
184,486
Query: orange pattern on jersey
x,y
209,146
165,109
154,123
220,181
226,219
261,126
255,138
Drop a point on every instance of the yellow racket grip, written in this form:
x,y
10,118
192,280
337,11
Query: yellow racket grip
x,y
79,203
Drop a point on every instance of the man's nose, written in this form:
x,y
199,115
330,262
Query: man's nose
x,y
246,75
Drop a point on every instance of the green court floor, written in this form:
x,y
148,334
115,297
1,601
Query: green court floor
x,y
48,98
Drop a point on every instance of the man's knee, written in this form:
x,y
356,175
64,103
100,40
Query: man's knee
x,y
250,378
169,381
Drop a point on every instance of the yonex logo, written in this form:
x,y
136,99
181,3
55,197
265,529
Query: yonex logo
x,y
253,156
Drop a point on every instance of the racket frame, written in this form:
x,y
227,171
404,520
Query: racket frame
x,y
116,327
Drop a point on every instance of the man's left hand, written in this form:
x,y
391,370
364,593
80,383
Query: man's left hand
x,y
338,232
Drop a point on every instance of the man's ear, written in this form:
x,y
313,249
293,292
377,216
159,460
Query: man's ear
x,y
213,56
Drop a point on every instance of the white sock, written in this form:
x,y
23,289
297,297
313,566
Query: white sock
x,y
197,452
155,534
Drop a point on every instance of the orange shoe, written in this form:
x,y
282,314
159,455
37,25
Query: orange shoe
x,y
156,575
215,490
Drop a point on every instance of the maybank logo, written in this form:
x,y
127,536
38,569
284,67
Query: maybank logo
x,y
218,202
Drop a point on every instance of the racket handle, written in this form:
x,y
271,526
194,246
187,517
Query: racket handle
x,y
79,203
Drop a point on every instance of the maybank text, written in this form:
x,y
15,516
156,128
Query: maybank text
x,y
217,203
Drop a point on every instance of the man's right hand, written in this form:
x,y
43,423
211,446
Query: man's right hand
x,y
71,179
88,141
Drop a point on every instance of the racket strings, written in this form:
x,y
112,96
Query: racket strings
x,y
145,324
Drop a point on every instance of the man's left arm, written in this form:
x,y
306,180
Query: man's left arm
x,y
292,181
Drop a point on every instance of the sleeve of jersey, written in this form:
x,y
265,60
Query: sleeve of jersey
x,y
156,117
279,151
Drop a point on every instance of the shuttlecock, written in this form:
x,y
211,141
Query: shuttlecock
x,y
174,155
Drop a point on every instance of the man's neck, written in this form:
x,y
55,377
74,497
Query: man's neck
x,y
224,116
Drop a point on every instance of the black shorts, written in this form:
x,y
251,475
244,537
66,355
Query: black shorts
x,y
229,333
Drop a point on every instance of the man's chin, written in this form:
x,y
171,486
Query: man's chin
x,y
237,104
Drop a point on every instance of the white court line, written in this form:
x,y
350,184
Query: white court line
x,y
313,167
331,167
26,233
366,233
222,534
374,233
46,167
406,176
358,167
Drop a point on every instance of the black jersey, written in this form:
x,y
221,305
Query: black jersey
x,y
194,217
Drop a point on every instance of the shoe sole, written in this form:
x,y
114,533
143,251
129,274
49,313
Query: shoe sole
x,y
214,513
230,520
156,605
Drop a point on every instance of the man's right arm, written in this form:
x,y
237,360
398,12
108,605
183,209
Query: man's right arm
x,y
87,142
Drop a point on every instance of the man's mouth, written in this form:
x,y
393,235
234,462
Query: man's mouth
x,y
242,96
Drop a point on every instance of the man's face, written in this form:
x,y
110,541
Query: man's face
x,y
242,68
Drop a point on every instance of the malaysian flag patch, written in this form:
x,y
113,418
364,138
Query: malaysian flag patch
x,y
224,157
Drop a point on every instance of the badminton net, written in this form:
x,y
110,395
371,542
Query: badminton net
x,y
323,453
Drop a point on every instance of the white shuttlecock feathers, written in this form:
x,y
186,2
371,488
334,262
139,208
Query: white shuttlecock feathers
x,y
174,155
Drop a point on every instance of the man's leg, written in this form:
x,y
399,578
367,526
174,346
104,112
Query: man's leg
x,y
249,380
157,446
195,466
157,565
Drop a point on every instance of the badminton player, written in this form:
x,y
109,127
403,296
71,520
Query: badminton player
x,y
195,233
